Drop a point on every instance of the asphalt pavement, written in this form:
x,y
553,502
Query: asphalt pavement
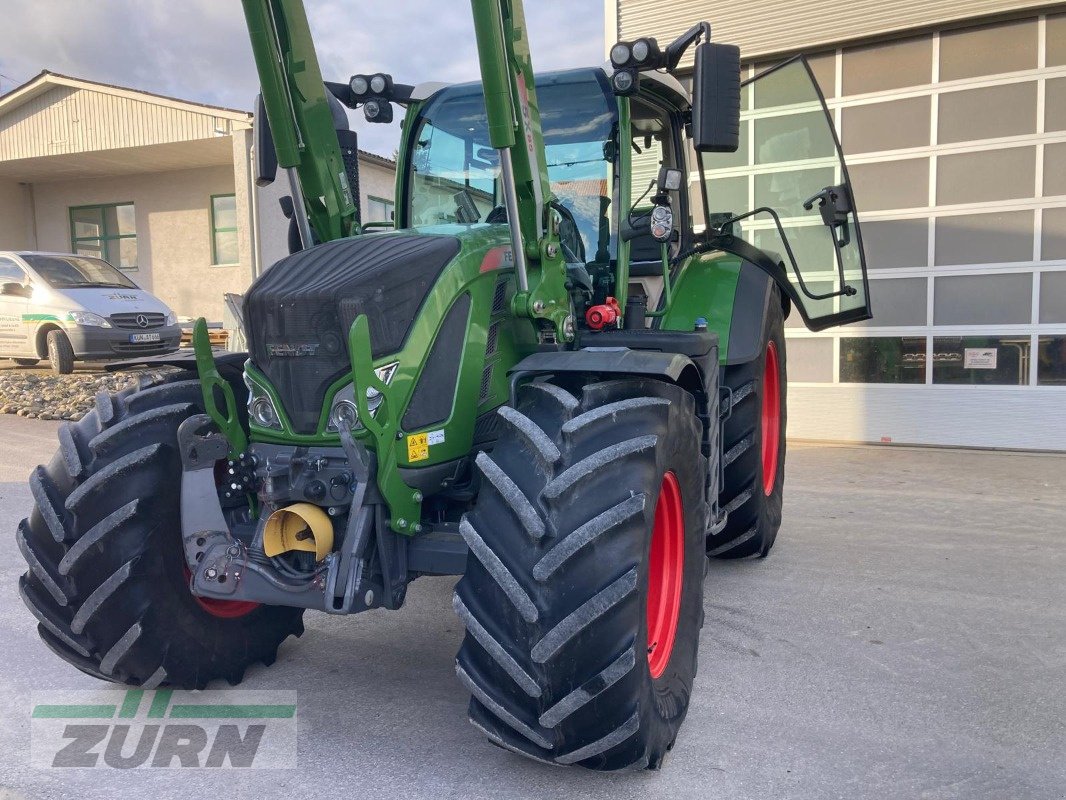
x,y
905,639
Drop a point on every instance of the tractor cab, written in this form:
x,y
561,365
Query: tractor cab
x,y
782,201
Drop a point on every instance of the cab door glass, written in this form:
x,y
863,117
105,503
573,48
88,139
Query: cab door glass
x,y
790,165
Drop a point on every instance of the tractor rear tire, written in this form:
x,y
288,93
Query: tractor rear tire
x,y
586,543
107,578
60,353
754,455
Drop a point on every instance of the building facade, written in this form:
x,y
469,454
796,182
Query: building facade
x,y
162,188
952,115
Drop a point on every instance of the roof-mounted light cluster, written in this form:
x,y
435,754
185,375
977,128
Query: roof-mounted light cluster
x,y
629,59
374,94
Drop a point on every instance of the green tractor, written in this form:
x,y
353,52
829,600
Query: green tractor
x,y
560,374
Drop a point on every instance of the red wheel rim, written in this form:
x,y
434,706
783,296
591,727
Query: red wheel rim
x,y
224,609
666,565
771,418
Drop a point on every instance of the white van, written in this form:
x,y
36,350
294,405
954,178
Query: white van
x,y
67,307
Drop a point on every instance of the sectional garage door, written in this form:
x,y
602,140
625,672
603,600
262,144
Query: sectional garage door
x,y
957,146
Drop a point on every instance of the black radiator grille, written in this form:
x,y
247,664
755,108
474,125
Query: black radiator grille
x,y
499,297
493,339
486,384
299,311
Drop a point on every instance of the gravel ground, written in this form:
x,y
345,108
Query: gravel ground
x,y
40,395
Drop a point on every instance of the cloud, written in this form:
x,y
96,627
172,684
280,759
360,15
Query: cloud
x,y
198,49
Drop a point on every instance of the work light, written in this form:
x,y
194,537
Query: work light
x,y
379,84
360,85
377,111
644,53
625,82
620,54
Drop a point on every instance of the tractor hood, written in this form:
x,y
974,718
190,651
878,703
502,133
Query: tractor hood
x,y
299,312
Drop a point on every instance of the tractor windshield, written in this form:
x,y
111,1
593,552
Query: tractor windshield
x,y
454,173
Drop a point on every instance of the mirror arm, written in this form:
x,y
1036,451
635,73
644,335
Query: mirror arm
x,y
677,48
714,242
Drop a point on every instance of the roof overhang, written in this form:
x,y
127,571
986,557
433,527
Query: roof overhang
x,y
121,161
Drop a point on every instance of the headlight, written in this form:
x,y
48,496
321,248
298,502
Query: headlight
x,y
344,409
343,414
170,318
261,407
88,319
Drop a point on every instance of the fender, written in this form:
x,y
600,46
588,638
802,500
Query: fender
x,y
745,328
229,363
673,367
699,376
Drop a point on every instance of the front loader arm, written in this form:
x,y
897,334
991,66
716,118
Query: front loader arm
x,y
300,119
514,130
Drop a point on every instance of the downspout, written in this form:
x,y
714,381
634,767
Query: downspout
x,y
253,202
30,213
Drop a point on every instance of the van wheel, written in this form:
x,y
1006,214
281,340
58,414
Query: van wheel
x,y
26,362
60,353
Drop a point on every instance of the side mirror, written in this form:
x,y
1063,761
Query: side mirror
x,y
16,290
266,157
716,98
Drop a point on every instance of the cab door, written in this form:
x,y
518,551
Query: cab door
x,y
13,304
784,202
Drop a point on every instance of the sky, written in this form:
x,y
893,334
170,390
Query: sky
x,y
198,49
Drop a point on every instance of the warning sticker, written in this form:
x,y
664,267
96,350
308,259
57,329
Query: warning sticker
x,y
418,447
436,437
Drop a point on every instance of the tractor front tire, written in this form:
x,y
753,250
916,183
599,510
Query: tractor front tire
x,y
583,594
754,454
107,578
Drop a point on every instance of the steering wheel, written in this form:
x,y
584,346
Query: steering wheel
x,y
569,234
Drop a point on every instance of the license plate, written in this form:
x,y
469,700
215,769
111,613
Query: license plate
x,y
144,337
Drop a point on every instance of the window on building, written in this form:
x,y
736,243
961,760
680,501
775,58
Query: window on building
x,y
224,229
882,359
105,231
1051,361
981,360
378,210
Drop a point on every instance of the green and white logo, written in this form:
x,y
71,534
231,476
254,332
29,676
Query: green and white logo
x,y
163,729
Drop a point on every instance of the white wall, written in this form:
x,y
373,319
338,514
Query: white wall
x,y
961,416
14,226
173,232
374,180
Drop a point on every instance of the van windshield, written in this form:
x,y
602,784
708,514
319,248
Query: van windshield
x,y
77,272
